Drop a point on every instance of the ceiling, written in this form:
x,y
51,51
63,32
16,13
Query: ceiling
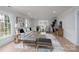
x,y
40,12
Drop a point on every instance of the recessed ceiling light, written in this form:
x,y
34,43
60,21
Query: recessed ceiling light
x,y
54,12
9,6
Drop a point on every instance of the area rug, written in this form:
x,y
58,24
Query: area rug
x,y
56,45
20,45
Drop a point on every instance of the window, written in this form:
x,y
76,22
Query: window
x,y
43,24
5,25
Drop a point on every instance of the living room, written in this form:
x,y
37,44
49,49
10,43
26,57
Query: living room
x,y
57,23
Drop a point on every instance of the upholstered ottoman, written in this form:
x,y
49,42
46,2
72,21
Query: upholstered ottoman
x,y
44,42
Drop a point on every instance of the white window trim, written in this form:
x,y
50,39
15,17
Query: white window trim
x,y
8,35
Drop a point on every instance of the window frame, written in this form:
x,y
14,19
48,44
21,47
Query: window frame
x,y
8,24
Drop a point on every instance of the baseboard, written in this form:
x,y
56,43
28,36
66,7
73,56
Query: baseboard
x,y
70,38
6,41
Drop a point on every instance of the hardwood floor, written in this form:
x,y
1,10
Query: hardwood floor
x,y
67,45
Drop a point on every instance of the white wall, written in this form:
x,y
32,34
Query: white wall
x,y
69,24
6,40
78,27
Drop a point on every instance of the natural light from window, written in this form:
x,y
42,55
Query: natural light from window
x,y
5,25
